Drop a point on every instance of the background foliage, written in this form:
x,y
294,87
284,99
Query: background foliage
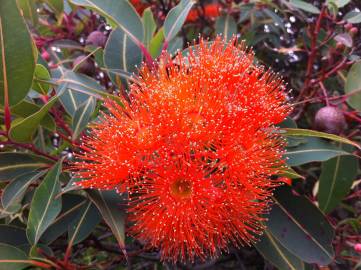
x,y
59,57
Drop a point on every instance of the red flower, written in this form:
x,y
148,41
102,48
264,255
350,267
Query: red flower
x,y
210,11
195,148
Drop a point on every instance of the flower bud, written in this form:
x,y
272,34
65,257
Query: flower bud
x,y
357,247
331,120
85,66
96,38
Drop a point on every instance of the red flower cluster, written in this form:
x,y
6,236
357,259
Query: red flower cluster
x,y
211,11
195,148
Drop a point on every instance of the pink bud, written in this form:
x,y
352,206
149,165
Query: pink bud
x,y
357,247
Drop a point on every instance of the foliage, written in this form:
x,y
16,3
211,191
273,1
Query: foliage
x,y
58,58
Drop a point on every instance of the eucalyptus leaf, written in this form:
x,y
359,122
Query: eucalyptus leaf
x,y
306,233
17,61
337,176
12,235
14,192
23,131
121,53
45,205
353,86
82,116
272,250
149,26
305,6
176,18
313,149
108,203
227,26
12,258
120,13
88,218
13,164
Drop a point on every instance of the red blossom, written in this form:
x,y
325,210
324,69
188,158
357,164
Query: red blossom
x,y
195,149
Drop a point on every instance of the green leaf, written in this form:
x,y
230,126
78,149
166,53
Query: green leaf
x,y
301,227
279,256
28,9
291,173
24,130
149,26
120,13
155,47
82,116
176,44
176,18
45,205
108,203
353,17
341,3
75,89
57,6
353,86
71,207
313,149
14,192
17,61
12,235
88,218
337,176
227,26
121,53
15,164
305,6
26,108
12,258
41,73
288,123
312,133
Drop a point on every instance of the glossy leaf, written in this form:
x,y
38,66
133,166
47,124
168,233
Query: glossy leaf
x,y
353,86
14,192
82,116
75,89
28,8
71,207
272,250
108,203
312,133
45,205
226,26
176,44
41,73
17,61
12,235
12,258
306,233
88,217
312,149
121,53
156,44
120,13
337,176
341,3
23,131
149,26
15,164
176,18
305,6
26,108
55,5
291,173
353,17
